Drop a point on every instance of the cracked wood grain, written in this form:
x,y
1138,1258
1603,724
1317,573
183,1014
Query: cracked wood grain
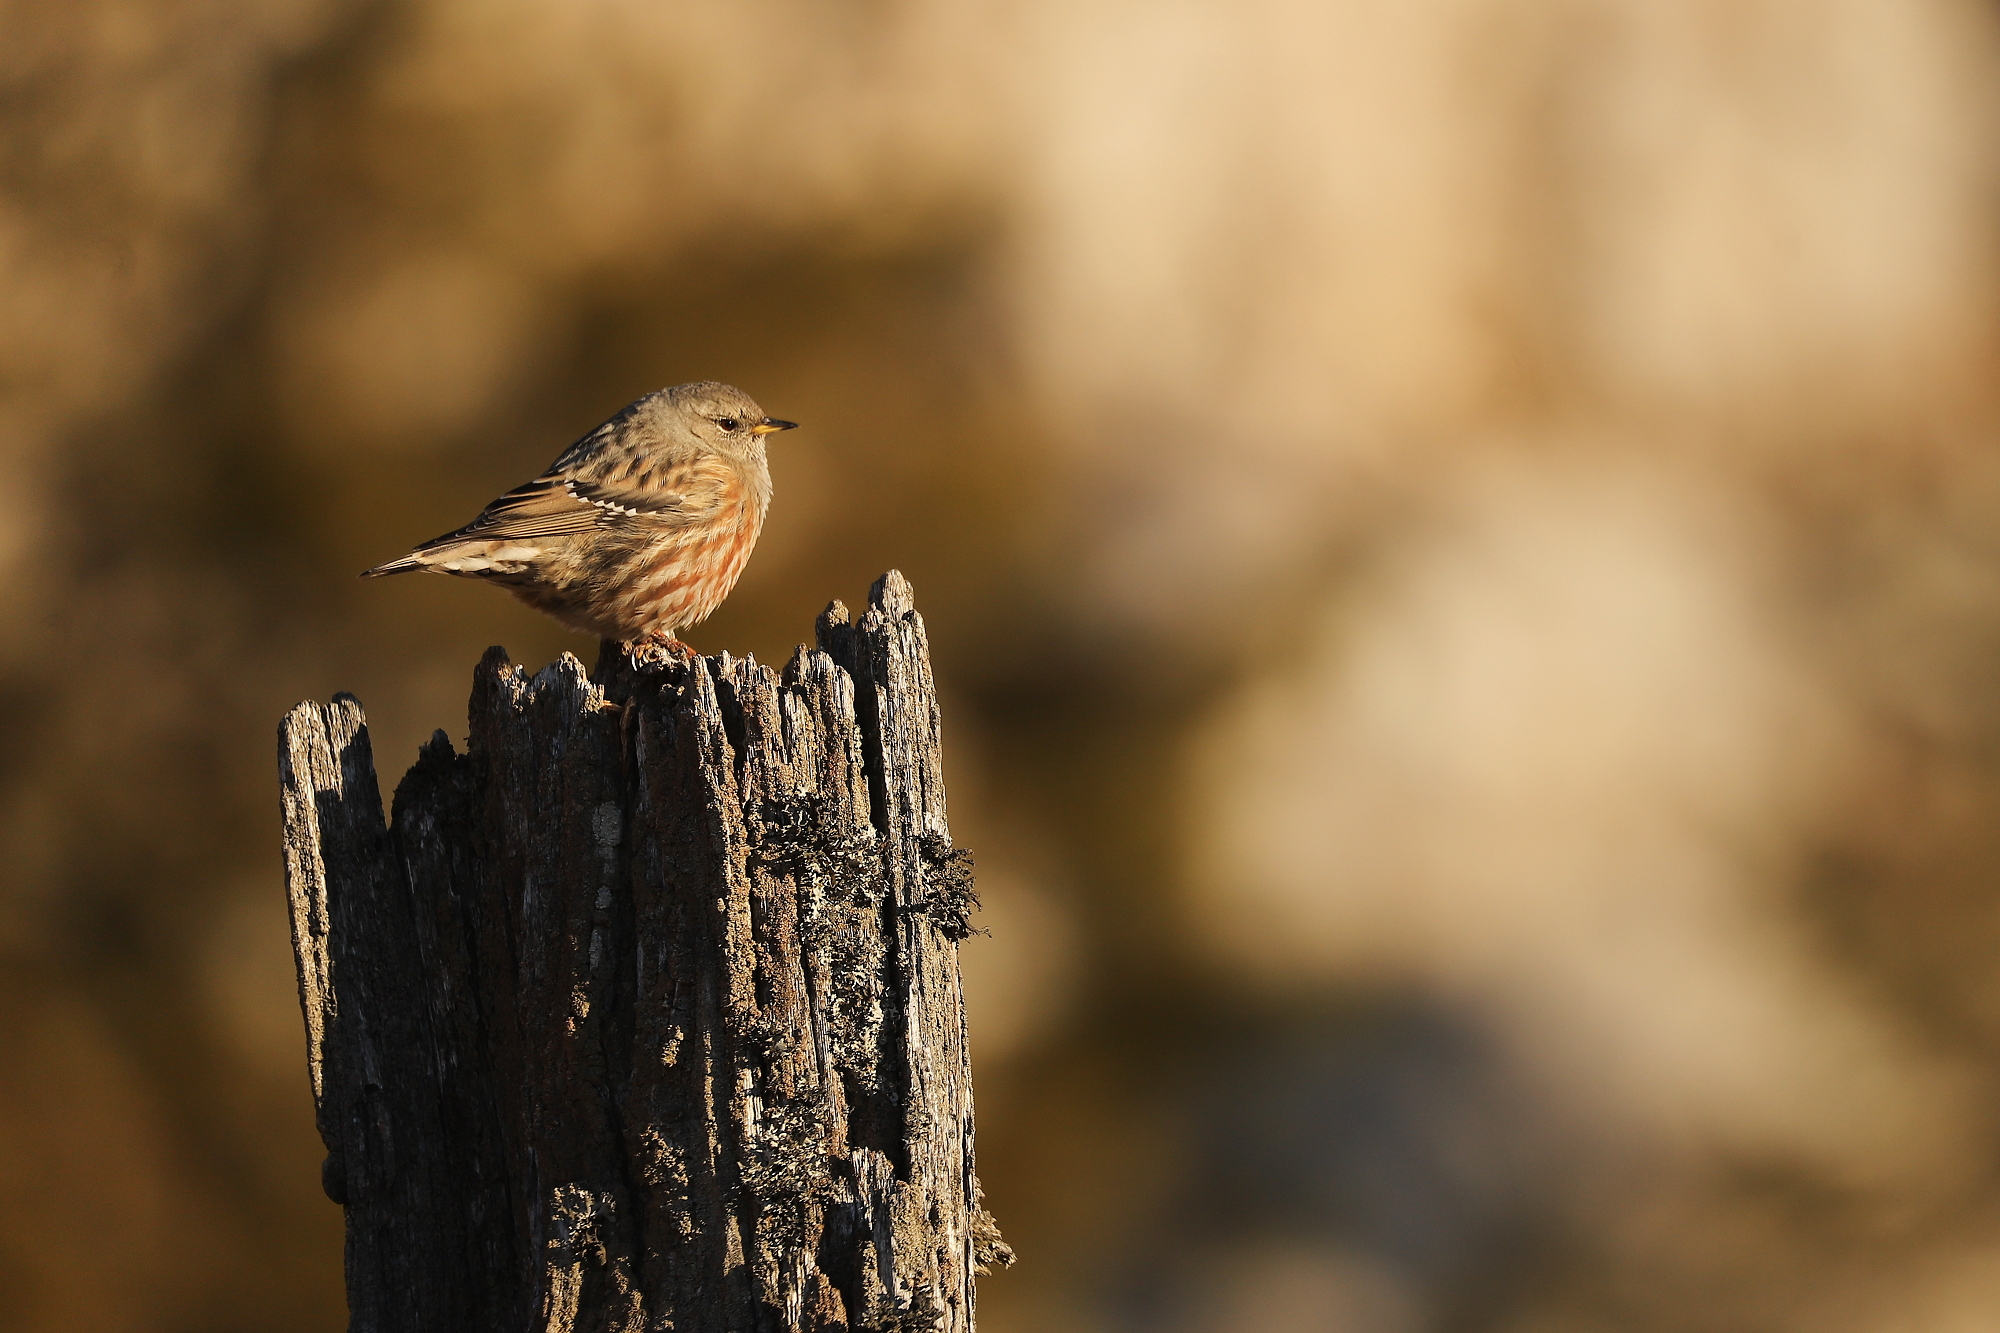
x,y
644,1012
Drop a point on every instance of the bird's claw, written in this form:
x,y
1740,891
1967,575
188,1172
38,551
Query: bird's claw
x,y
657,652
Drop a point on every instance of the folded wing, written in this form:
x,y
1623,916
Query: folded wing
x,y
555,505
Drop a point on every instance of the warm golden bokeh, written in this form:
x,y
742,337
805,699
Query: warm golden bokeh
x,y
1460,539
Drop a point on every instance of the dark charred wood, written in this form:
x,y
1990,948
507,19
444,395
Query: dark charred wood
x,y
644,1013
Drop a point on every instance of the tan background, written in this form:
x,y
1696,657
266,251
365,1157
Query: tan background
x,y
1459,535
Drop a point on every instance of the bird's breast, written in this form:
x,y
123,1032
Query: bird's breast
x,y
684,576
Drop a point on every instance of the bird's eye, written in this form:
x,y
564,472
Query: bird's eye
x,y
727,423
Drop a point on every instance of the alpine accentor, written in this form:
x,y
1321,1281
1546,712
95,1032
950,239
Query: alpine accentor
x,y
639,529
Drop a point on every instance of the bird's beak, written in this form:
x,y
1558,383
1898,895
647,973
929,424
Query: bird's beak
x,y
770,424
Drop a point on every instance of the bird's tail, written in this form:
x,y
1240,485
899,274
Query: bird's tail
x,y
402,565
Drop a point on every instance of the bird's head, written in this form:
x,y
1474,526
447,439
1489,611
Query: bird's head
x,y
720,416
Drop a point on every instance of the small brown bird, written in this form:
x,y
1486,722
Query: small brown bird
x,y
639,530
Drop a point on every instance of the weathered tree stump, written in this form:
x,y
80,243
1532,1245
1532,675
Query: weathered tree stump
x,y
644,1013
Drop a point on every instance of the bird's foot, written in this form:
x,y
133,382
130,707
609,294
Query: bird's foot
x,y
658,651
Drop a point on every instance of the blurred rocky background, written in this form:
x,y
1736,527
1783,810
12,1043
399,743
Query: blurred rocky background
x,y
1461,538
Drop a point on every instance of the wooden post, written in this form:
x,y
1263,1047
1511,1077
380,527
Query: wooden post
x,y
644,1012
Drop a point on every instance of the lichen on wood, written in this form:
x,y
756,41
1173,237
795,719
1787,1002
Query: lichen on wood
x,y
644,1011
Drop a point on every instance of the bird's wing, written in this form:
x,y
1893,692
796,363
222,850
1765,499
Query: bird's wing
x,y
673,491
541,508
561,505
